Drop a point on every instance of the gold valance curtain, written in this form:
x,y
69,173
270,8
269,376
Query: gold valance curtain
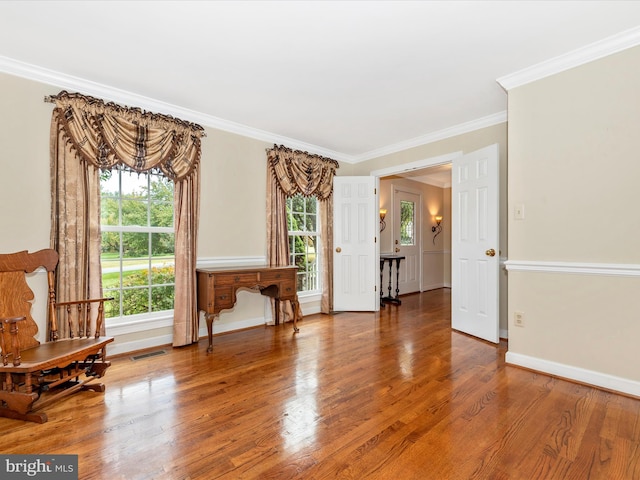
x,y
106,135
292,172
300,172
87,135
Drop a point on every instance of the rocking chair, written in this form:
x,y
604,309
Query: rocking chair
x,y
33,374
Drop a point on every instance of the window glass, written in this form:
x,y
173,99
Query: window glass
x,y
407,223
302,222
138,255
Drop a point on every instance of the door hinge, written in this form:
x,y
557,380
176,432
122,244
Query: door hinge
x,y
375,190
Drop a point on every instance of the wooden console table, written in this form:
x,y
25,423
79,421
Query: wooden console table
x,y
217,289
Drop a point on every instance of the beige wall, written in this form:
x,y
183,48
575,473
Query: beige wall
x,y
573,165
233,196
25,191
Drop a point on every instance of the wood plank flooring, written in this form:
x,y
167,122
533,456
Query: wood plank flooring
x,y
394,395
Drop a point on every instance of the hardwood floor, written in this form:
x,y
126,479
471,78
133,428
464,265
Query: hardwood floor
x,y
395,395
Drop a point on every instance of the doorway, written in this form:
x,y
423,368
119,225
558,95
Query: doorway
x,y
474,238
430,179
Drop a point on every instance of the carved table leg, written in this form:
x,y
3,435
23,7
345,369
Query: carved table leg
x,y
294,305
209,318
276,306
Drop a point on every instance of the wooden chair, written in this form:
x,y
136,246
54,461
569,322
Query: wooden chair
x,y
35,374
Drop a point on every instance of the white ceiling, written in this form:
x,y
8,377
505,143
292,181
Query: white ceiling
x,y
349,79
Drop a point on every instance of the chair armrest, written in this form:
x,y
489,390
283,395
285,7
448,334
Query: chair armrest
x,y
15,343
81,302
12,319
83,308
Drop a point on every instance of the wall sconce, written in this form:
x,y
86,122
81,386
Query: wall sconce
x,y
437,228
383,213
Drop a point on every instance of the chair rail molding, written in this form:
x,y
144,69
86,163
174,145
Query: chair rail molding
x,y
211,262
579,268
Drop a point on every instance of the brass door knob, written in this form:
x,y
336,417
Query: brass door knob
x,y
491,252
338,249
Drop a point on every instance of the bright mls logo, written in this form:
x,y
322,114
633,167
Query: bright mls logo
x,y
51,467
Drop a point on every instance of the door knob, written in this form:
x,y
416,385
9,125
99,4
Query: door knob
x,y
491,252
338,249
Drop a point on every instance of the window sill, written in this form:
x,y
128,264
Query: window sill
x,y
139,323
306,297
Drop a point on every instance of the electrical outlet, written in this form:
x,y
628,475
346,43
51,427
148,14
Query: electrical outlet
x,y
518,319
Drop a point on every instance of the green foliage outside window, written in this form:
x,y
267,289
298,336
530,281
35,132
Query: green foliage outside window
x,y
135,292
302,223
137,242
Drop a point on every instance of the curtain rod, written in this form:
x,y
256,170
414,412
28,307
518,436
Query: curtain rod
x,y
52,99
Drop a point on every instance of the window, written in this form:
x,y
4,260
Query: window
x,y
407,222
137,253
302,223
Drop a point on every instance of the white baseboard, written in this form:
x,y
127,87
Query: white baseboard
x,y
597,379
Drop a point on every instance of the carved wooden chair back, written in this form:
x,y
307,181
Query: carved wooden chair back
x,y
16,296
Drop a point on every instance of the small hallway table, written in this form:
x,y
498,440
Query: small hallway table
x,y
390,258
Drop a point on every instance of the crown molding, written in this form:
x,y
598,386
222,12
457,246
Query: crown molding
x,y
483,122
87,87
594,51
116,95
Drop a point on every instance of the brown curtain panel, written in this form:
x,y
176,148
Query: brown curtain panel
x,y
292,172
75,224
87,135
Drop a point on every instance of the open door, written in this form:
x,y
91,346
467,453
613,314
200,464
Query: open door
x,y
355,244
474,244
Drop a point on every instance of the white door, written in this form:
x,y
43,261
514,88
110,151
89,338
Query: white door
x,y
355,245
474,244
407,214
